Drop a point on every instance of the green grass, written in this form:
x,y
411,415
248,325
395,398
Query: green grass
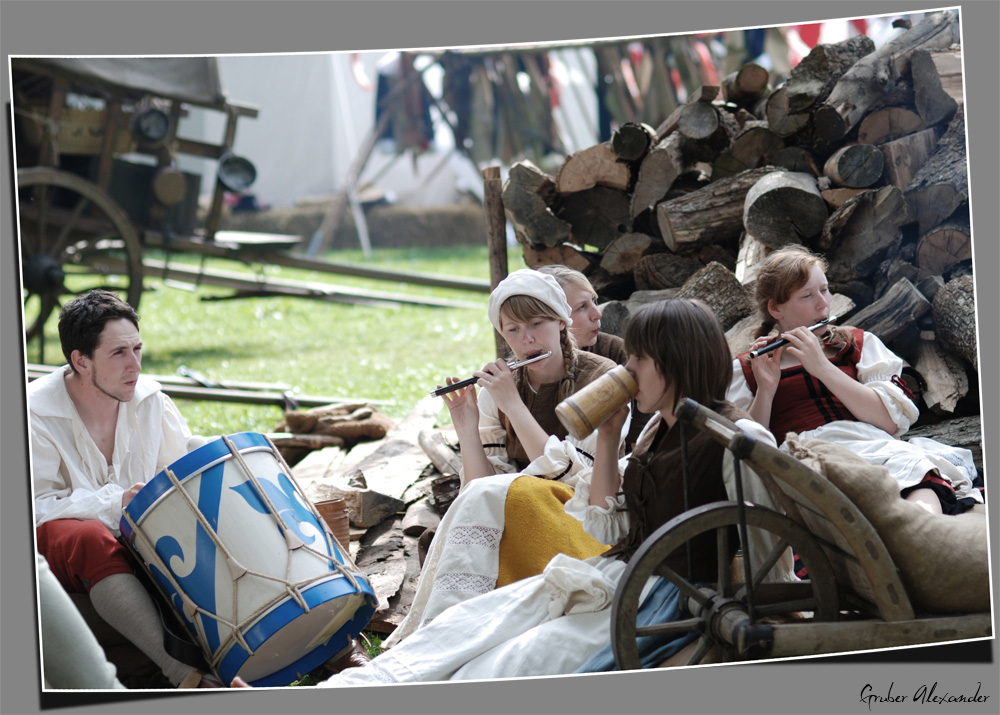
x,y
391,354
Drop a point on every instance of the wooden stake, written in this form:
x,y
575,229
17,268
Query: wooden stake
x,y
496,235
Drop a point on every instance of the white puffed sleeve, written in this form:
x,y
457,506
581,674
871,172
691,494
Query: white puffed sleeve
x,y
877,367
739,391
176,433
609,523
561,459
493,436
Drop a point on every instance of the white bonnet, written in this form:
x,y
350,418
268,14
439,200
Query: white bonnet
x,y
529,282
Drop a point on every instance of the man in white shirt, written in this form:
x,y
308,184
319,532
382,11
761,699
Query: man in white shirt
x,y
99,430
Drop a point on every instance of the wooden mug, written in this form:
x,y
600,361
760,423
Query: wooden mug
x,y
586,409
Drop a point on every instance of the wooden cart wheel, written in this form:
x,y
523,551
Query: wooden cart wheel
x,y
74,237
717,611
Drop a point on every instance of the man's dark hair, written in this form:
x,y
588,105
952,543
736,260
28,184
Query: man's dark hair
x,y
82,321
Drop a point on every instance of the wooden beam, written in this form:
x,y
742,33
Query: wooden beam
x,y
249,397
266,286
496,235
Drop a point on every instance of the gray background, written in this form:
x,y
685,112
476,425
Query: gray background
x,y
830,686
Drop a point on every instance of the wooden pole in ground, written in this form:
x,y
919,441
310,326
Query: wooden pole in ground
x,y
496,235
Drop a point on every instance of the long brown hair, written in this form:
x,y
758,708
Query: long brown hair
x,y
524,309
783,272
686,342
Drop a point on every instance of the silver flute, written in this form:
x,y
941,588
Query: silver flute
x,y
471,380
781,341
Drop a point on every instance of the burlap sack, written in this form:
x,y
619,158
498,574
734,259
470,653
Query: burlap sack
x,y
943,560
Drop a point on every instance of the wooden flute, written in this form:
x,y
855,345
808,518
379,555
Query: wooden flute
x,y
471,380
781,341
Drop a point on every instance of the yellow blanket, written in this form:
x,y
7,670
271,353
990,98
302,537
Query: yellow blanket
x,y
536,528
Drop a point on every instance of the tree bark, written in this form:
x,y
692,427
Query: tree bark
x,y
888,316
937,84
624,252
717,287
784,207
858,235
889,123
596,216
942,183
878,78
855,166
596,165
755,146
954,311
713,213
524,199
658,271
817,74
944,247
657,173
905,156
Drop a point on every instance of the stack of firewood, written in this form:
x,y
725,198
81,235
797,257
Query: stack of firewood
x,y
860,155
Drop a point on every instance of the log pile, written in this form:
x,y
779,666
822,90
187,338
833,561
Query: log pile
x,y
859,155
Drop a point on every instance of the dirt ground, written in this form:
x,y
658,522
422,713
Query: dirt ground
x,y
388,226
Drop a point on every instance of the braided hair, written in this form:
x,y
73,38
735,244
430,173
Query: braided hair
x,y
525,308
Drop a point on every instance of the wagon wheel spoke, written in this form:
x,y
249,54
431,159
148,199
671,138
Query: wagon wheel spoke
x,y
704,645
760,571
724,573
62,240
66,222
713,603
688,589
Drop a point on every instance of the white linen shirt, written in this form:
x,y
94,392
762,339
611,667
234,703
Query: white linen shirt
x,y
72,479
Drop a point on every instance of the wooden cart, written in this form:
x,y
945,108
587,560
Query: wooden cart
x,y
97,146
852,600
98,182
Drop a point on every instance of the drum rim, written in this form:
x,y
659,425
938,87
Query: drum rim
x,y
190,465
234,657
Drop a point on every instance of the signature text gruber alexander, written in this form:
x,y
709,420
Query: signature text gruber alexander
x,y
925,695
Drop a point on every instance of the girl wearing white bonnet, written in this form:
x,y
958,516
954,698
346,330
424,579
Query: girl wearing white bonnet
x,y
519,464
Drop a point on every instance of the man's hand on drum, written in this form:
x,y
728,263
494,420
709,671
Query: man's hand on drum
x,y
130,493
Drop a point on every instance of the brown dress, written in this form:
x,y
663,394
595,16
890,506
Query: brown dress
x,y
653,486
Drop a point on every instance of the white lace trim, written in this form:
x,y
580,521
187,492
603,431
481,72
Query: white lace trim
x,y
458,581
475,536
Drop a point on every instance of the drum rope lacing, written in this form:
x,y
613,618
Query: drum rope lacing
x,y
293,590
287,471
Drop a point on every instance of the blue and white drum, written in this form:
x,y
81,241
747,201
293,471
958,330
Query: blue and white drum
x,y
246,561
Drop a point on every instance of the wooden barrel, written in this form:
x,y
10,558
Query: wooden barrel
x,y
584,411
